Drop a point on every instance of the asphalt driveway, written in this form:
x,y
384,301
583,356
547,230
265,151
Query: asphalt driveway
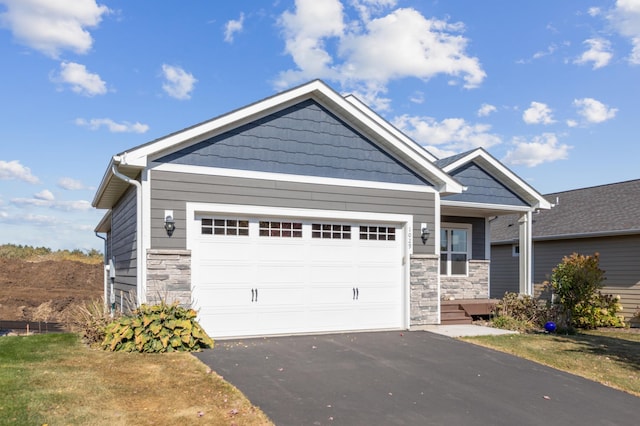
x,y
410,378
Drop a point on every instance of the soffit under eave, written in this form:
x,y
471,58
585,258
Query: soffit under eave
x,y
114,188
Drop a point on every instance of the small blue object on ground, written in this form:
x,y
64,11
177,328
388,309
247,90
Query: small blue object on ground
x,y
550,326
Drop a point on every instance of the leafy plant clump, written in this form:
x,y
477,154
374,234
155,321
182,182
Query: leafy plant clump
x,y
521,313
157,328
577,282
601,311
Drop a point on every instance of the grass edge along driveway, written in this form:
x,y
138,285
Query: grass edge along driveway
x,y
608,356
55,379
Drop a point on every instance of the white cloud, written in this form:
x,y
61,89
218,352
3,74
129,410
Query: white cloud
x,y
46,199
81,81
178,83
542,149
572,123
367,8
594,111
112,126
417,97
53,26
71,184
486,109
447,137
538,113
11,170
232,27
594,11
45,195
625,17
369,53
599,53
38,219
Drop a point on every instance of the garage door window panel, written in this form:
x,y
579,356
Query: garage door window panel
x,y
330,231
216,226
280,229
379,233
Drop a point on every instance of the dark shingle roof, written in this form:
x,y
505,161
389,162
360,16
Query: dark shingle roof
x,y
603,209
444,162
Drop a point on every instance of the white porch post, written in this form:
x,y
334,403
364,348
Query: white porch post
x,y
524,224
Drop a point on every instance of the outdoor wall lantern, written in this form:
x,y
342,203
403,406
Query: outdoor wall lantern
x,y
424,233
169,222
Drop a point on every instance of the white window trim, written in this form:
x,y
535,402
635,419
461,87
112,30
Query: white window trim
x,y
458,226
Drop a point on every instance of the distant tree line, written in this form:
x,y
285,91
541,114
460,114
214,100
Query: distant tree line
x,y
14,251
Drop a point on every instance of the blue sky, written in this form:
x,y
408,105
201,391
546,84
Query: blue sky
x,y
550,88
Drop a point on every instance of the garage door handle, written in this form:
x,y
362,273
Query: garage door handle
x,y
256,294
253,295
356,293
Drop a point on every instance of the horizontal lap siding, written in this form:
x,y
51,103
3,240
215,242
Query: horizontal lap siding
x,y
171,191
504,271
619,258
122,245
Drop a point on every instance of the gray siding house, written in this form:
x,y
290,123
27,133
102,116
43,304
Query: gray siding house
x,y
303,212
602,219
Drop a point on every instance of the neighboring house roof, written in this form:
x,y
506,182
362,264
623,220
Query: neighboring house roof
x,y
612,209
352,111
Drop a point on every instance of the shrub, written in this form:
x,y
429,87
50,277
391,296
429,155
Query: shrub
x,y
576,282
521,313
600,311
157,328
90,320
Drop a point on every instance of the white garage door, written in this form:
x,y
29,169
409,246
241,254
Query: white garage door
x,y
268,275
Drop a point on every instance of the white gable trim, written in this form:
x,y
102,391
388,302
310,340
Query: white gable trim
x,y
384,133
389,127
248,174
512,180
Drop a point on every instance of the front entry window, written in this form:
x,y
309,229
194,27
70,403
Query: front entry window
x,y
455,250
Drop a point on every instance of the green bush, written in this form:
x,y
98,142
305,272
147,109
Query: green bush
x,y
576,282
157,328
600,311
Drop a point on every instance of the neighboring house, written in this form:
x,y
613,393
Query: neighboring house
x,y
303,212
601,219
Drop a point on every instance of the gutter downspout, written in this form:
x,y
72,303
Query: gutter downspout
x,y
104,269
140,294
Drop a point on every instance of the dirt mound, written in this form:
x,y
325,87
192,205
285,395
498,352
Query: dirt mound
x,y
43,291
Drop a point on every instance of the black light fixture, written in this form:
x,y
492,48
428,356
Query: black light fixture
x,y
169,224
424,233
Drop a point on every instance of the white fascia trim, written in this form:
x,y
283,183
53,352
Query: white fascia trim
x,y
389,127
248,174
542,203
139,157
485,206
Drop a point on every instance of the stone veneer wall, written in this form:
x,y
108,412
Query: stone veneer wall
x,y
169,276
425,304
473,286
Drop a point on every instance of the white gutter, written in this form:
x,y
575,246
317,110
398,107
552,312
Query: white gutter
x,y
140,293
